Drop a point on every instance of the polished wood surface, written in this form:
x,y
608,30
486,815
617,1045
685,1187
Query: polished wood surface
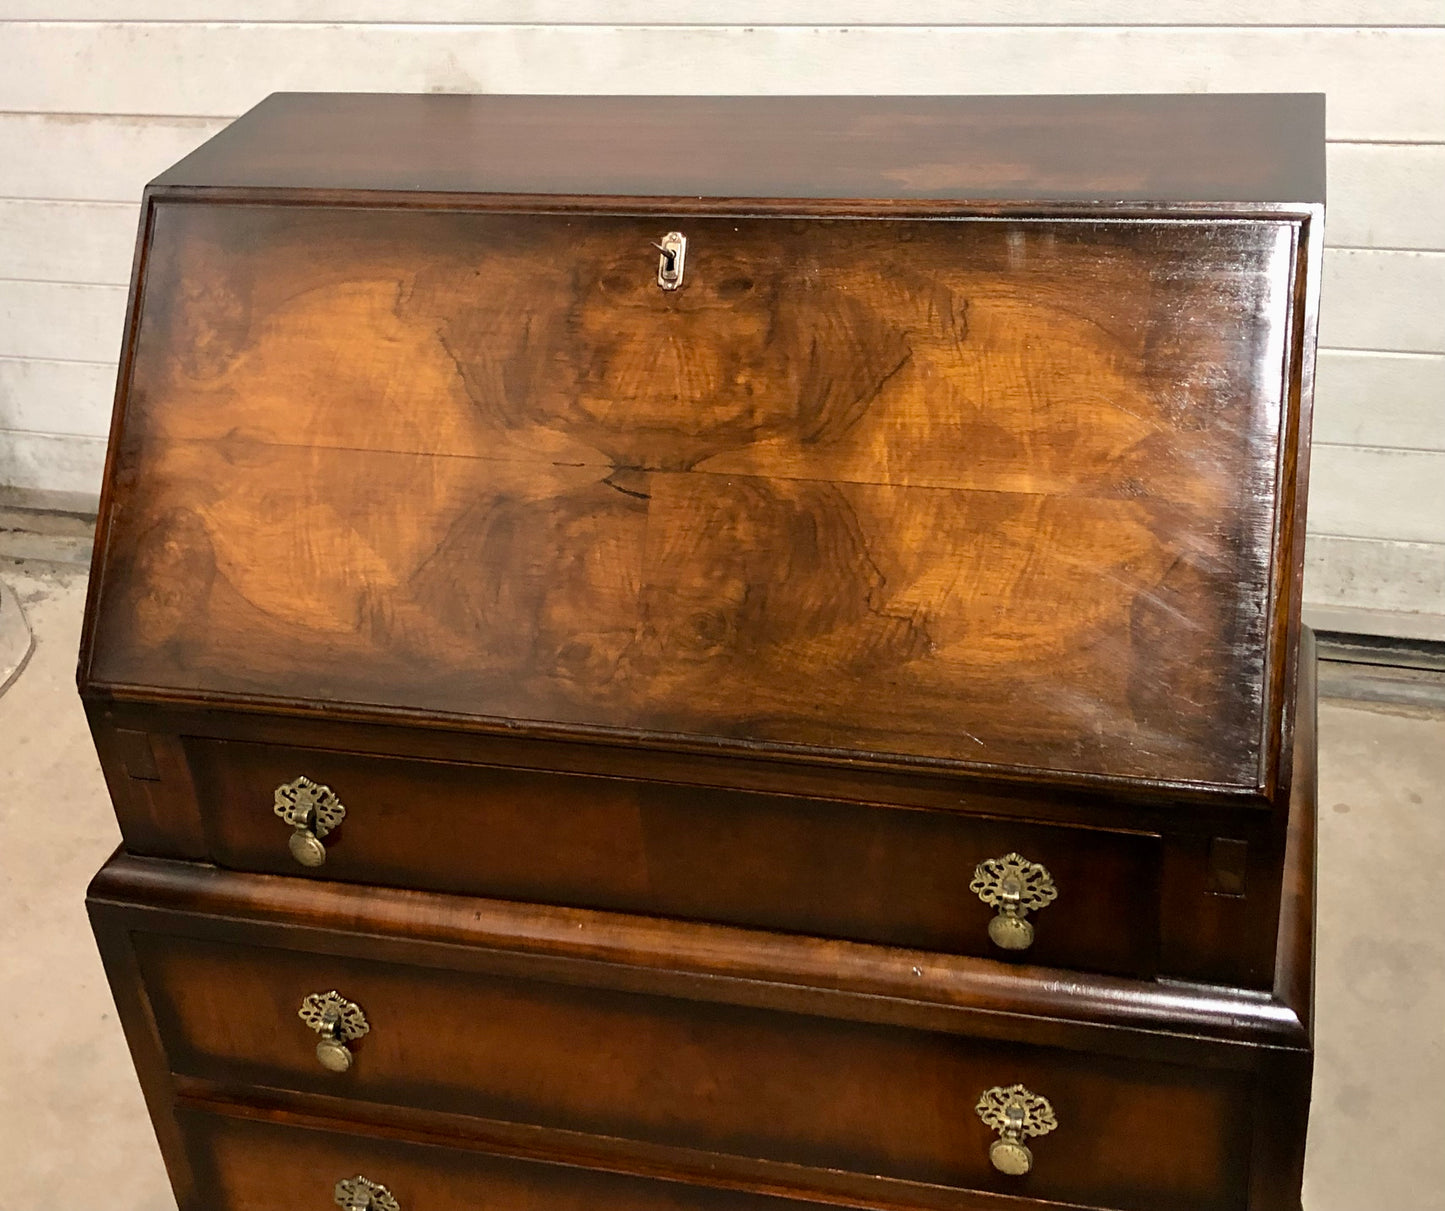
x,y
993,494
678,654
822,1093
1132,901
250,1165
1201,148
205,962
224,954
779,862
690,836
1278,1173
941,992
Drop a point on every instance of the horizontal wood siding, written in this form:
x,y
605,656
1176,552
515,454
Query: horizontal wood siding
x,y
1367,574
61,320
51,462
55,241
753,12
1382,82
92,157
42,396
1374,492
1380,399
98,96
1383,300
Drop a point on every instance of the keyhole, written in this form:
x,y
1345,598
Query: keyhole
x,y
670,264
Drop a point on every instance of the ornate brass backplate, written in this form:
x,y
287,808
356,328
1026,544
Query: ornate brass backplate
x,y
312,810
361,1194
1015,886
338,1022
1015,1114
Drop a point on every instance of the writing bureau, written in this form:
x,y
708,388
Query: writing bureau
x,y
864,527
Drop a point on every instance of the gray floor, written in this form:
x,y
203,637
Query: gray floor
x,y
73,1131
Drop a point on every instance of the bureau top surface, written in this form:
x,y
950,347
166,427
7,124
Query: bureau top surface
x,y
1262,148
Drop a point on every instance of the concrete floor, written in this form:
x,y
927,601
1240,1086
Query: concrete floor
x,y
73,1130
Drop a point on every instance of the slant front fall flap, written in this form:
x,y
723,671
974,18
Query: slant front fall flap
x,y
992,490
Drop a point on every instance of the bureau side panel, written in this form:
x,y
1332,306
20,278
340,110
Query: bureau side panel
x,y
114,941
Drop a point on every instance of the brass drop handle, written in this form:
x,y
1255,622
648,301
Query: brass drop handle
x,y
312,810
1015,1114
1016,887
362,1194
339,1022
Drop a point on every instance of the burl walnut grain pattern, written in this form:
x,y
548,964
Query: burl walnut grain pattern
x,y
986,492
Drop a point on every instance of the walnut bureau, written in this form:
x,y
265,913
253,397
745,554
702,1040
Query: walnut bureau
x,y
717,653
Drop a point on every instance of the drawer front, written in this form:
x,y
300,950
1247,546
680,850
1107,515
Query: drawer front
x,y
828,868
246,1165
825,1094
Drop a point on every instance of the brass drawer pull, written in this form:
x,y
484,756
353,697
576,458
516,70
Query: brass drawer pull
x,y
1014,1113
1016,887
313,811
338,1022
361,1194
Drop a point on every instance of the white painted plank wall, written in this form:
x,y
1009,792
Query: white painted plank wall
x,y
1356,13
97,96
1383,83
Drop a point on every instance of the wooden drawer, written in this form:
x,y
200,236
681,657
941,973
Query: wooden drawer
x,y
766,1074
735,1080
813,866
557,823
248,1165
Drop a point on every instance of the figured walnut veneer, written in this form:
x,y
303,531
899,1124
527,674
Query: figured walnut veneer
x,y
978,491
